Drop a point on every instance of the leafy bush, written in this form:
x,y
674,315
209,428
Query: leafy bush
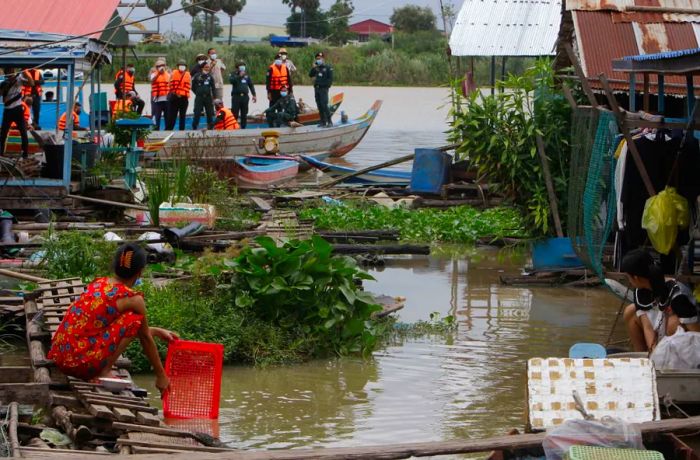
x,y
461,224
122,136
498,135
73,253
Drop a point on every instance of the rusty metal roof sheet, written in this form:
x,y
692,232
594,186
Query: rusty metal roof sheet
x,y
506,28
622,5
624,388
67,17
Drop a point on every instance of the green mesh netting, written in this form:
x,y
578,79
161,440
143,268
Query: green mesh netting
x,y
591,191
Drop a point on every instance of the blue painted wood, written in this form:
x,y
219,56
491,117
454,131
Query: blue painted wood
x,y
587,350
662,94
372,177
690,96
263,164
633,92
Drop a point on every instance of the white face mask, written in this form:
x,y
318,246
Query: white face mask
x,y
201,62
212,56
283,93
182,68
284,57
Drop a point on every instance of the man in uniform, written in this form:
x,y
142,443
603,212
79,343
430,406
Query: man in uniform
x,y
241,86
322,74
203,88
277,76
283,112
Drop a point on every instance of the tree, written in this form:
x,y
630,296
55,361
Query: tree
x,y
307,9
159,7
232,8
210,8
202,28
192,11
312,23
338,18
412,18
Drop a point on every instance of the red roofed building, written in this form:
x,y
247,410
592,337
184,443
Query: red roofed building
x,y
365,29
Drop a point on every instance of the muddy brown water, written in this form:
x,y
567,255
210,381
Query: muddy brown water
x,y
468,384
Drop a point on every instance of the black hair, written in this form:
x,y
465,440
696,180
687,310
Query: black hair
x,y
129,260
640,262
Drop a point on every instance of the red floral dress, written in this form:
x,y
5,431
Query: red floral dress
x,y
92,329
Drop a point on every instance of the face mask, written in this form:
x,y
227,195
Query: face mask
x,y
201,62
283,93
241,68
278,61
182,68
284,57
160,68
212,56
130,70
319,61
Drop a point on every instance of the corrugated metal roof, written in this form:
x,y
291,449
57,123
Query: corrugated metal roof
x,y
621,5
68,17
646,18
506,28
660,56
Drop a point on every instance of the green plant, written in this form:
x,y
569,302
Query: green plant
x,y
498,135
436,325
160,187
74,253
122,136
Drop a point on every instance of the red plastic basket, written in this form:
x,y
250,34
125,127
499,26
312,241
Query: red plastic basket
x,y
194,370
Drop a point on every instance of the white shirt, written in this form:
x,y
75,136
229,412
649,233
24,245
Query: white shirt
x,y
217,66
14,91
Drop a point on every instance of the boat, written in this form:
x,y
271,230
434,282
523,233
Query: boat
x,y
313,141
258,121
260,170
378,176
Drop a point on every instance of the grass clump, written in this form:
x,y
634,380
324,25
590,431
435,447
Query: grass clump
x,y
72,253
460,224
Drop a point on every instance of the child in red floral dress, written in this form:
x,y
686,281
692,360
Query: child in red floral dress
x,y
99,326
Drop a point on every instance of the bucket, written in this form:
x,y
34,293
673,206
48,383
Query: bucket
x,y
431,170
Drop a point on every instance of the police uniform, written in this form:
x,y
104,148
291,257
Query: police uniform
x,y
242,85
323,80
203,88
282,112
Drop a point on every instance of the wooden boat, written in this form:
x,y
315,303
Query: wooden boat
x,y
309,140
379,176
262,169
260,122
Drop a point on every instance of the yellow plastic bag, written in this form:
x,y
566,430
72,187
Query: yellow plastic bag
x,y
663,214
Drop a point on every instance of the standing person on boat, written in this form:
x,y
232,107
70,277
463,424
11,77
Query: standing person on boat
x,y
27,111
277,76
286,61
660,306
203,88
225,119
77,109
179,96
160,88
35,93
217,71
104,320
322,74
11,92
196,68
283,112
124,82
241,85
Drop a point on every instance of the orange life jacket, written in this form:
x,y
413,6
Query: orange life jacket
x,y
122,105
62,121
26,89
279,77
27,116
128,82
160,85
181,83
228,120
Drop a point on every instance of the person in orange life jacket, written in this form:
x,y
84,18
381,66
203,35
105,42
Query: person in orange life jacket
x,y
241,86
179,96
225,119
26,108
277,76
124,82
123,105
203,88
11,92
660,305
77,109
35,92
160,88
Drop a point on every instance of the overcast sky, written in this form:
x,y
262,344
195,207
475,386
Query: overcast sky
x,y
273,12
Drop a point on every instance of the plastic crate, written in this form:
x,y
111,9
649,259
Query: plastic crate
x,y
194,370
608,453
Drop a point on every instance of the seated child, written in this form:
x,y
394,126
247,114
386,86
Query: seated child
x,y
99,326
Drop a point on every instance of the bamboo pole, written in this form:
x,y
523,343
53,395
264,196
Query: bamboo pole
x,y
550,186
14,440
108,202
22,276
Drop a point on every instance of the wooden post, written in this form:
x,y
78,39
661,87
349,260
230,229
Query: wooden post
x,y
628,137
645,100
569,95
579,73
691,93
493,75
62,416
14,440
662,97
550,186
633,92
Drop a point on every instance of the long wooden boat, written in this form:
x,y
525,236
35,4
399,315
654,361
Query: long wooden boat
x,y
379,176
309,140
260,122
262,169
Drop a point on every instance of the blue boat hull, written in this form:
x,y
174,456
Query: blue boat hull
x,y
379,176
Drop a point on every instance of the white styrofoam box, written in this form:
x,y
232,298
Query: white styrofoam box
x,y
624,388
